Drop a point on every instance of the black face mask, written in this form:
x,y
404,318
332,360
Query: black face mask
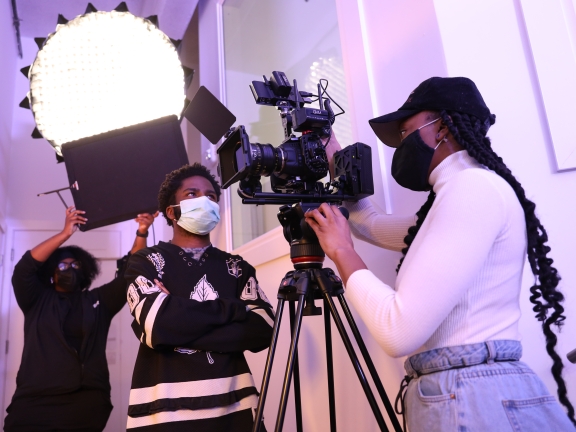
x,y
69,280
411,162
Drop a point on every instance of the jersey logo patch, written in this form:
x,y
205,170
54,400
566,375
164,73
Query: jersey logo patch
x,y
146,286
203,291
250,291
133,297
233,268
158,261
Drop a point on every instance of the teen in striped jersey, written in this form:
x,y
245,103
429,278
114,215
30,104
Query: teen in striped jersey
x,y
196,309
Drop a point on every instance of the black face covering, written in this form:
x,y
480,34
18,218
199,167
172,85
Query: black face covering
x,y
411,162
69,279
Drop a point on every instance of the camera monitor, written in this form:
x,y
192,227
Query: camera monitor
x,y
119,172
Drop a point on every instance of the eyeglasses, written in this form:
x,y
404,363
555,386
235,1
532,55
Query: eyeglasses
x,y
63,266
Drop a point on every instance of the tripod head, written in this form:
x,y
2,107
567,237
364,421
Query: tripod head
x,y
305,249
307,257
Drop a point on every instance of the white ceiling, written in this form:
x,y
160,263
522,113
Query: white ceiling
x,y
38,17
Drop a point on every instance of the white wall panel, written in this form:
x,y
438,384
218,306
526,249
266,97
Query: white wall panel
x,y
551,28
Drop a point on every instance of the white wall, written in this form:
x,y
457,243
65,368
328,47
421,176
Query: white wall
x,y
8,54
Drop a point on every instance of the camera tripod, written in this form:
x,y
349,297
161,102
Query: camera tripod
x,y
305,284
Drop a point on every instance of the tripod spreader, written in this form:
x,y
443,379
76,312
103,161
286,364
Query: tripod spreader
x,y
296,283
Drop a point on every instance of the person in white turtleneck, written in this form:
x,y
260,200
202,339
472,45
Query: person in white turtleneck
x,y
455,305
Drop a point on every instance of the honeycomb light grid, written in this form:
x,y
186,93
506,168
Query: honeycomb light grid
x,y
103,71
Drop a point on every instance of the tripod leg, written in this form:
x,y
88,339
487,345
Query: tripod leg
x,y
297,394
369,363
355,362
289,366
330,367
268,368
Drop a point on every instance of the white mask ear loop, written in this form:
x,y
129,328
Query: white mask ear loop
x,y
445,139
428,124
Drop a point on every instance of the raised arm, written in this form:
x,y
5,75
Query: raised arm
x,y
113,294
448,258
163,320
144,221
368,222
72,221
27,285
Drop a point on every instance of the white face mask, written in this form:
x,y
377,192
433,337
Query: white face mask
x,y
198,215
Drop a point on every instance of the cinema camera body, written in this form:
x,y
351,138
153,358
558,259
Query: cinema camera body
x,y
297,165
299,162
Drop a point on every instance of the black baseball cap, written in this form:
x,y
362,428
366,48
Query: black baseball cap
x,y
435,94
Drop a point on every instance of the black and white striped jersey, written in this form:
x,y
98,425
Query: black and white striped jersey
x,y
190,372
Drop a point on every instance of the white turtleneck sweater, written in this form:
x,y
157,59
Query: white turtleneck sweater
x,y
460,281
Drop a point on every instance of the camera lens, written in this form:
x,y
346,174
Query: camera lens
x,y
266,159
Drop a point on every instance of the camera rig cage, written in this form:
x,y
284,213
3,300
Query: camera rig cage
x,y
299,162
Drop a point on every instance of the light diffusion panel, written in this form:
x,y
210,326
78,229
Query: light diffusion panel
x,y
120,172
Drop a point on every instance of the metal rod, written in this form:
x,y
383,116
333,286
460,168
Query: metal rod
x,y
370,364
301,197
62,199
268,368
288,374
57,191
16,22
330,367
297,393
72,186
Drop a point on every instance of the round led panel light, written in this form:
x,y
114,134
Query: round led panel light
x,y
103,71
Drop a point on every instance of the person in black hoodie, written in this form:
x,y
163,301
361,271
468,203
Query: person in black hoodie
x,y
63,382
196,310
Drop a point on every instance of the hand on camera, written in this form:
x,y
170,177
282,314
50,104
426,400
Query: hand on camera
x,y
332,230
73,220
144,221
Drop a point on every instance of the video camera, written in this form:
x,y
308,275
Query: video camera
x,y
299,162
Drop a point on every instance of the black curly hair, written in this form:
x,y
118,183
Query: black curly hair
x,y
173,181
470,133
89,265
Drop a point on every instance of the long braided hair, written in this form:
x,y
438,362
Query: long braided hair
x,y
470,133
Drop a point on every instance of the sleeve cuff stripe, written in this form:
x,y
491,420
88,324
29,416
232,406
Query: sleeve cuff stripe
x,y
151,317
138,311
264,314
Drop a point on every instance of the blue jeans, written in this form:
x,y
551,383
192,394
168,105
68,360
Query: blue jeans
x,y
478,388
